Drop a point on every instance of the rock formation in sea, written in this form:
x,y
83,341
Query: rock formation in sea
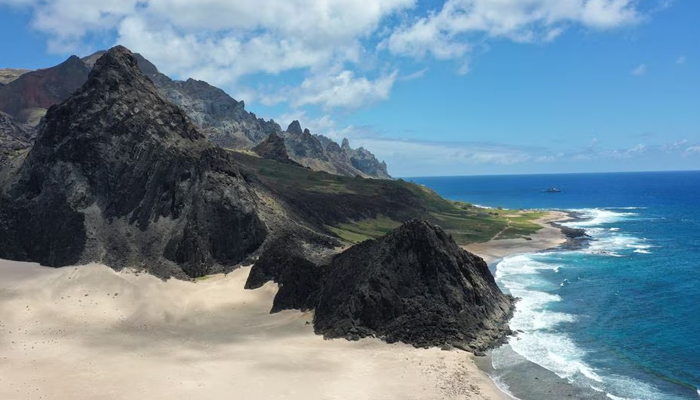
x,y
119,175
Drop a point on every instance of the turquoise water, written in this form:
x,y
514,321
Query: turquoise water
x,y
619,318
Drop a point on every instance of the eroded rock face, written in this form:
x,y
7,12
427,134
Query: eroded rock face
x,y
14,138
415,285
119,175
273,148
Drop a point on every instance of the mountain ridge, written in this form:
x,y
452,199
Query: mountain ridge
x,y
222,119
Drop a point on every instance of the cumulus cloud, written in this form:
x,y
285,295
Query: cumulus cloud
x,y
339,52
221,41
446,34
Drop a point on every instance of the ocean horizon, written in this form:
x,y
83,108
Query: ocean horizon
x,y
616,318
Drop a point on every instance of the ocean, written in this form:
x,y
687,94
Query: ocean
x,y
616,319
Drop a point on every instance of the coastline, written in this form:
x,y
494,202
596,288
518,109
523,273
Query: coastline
x,y
550,236
546,238
210,338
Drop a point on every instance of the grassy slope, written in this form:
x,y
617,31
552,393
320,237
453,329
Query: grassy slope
x,y
356,209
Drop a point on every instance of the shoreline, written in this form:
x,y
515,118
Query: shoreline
x,y
551,236
206,339
548,237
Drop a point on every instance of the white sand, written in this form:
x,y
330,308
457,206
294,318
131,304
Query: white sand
x,y
546,238
91,333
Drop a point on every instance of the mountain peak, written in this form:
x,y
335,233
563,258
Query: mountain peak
x,y
295,128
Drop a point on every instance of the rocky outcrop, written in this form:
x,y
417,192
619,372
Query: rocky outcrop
x,y
223,120
274,149
119,175
292,260
414,285
27,98
365,161
14,138
323,154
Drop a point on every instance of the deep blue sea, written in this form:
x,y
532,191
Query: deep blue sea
x,y
619,318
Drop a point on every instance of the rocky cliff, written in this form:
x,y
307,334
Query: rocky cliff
x,y
323,154
223,120
14,138
414,285
119,175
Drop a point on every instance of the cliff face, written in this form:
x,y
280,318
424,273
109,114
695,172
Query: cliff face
x,y
365,161
119,175
14,138
413,285
323,154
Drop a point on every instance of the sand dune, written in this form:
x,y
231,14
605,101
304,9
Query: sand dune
x,y
91,333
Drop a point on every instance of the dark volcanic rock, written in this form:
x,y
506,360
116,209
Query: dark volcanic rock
x,y
285,261
119,175
274,149
14,137
414,285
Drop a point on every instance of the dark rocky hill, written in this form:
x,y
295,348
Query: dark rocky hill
x,y
413,285
27,97
119,175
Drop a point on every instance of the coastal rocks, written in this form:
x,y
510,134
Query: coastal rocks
x,y
414,285
119,175
576,238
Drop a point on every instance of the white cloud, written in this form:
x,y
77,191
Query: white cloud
x,y
681,60
640,70
446,34
414,75
221,41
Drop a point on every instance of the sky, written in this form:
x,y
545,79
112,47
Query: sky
x,y
434,88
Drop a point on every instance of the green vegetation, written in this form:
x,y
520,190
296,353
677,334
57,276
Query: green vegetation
x,y
356,209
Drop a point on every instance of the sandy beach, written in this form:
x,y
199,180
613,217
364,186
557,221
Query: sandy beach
x,y
89,332
546,238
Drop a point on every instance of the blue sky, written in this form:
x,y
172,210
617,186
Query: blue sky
x,y
456,87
